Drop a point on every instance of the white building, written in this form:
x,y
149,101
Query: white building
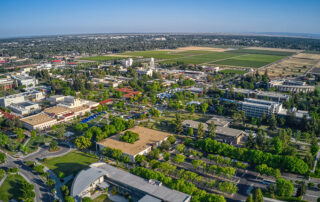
x,y
24,108
151,62
127,63
148,72
26,80
256,108
291,86
44,66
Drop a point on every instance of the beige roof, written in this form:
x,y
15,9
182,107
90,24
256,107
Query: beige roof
x,y
147,137
37,119
78,109
56,110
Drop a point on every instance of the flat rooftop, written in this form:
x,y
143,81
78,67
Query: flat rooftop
x,y
37,119
161,192
56,110
147,137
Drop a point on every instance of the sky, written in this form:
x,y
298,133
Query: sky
x,y
51,17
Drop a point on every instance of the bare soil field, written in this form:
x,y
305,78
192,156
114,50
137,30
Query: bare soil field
x,y
272,49
295,65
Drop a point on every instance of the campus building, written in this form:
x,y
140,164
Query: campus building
x,y
39,121
223,134
291,86
272,96
256,108
26,80
102,175
148,140
6,84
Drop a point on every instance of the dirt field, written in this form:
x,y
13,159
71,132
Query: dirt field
x,y
273,49
296,65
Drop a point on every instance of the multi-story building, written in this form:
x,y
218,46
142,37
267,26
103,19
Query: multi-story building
x,y
24,108
6,84
127,63
26,80
256,108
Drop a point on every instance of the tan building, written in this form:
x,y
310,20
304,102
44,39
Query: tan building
x,y
223,134
148,139
39,121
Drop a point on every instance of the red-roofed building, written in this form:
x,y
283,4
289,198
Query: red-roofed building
x,y
72,63
107,101
2,61
128,92
56,61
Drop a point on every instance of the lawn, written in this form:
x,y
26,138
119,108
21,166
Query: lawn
x,y
232,71
70,163
36,142
102,58
154,54
102,198
11,187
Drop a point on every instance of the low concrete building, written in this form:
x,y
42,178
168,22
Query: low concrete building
x,y
291,86
102,175
6,84
24,108
223,134
148,139
38,122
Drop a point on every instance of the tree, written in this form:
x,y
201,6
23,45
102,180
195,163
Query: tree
x,y
190,131
69,199
204,107
257,195
277,145
200,131
250,198
196,163
178,123
86,199
212,130
3,140
180,147
172,139
2,157
33,134
20,134
53,145
179,158
284,187
272,122
82,142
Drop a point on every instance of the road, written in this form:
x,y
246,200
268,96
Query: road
x,y
42,191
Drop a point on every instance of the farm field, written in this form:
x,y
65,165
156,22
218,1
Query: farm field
x,y
250,60
70,163
296,65
102,58
262,51
232,71
155,54
247,58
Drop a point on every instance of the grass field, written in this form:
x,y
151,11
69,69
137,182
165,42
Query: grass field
x,y
10,189
102,58
232,71
263,52
154,54
203,58
70,163
250,60
240,57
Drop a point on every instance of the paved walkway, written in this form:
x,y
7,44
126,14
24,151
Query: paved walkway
x,y
3,179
